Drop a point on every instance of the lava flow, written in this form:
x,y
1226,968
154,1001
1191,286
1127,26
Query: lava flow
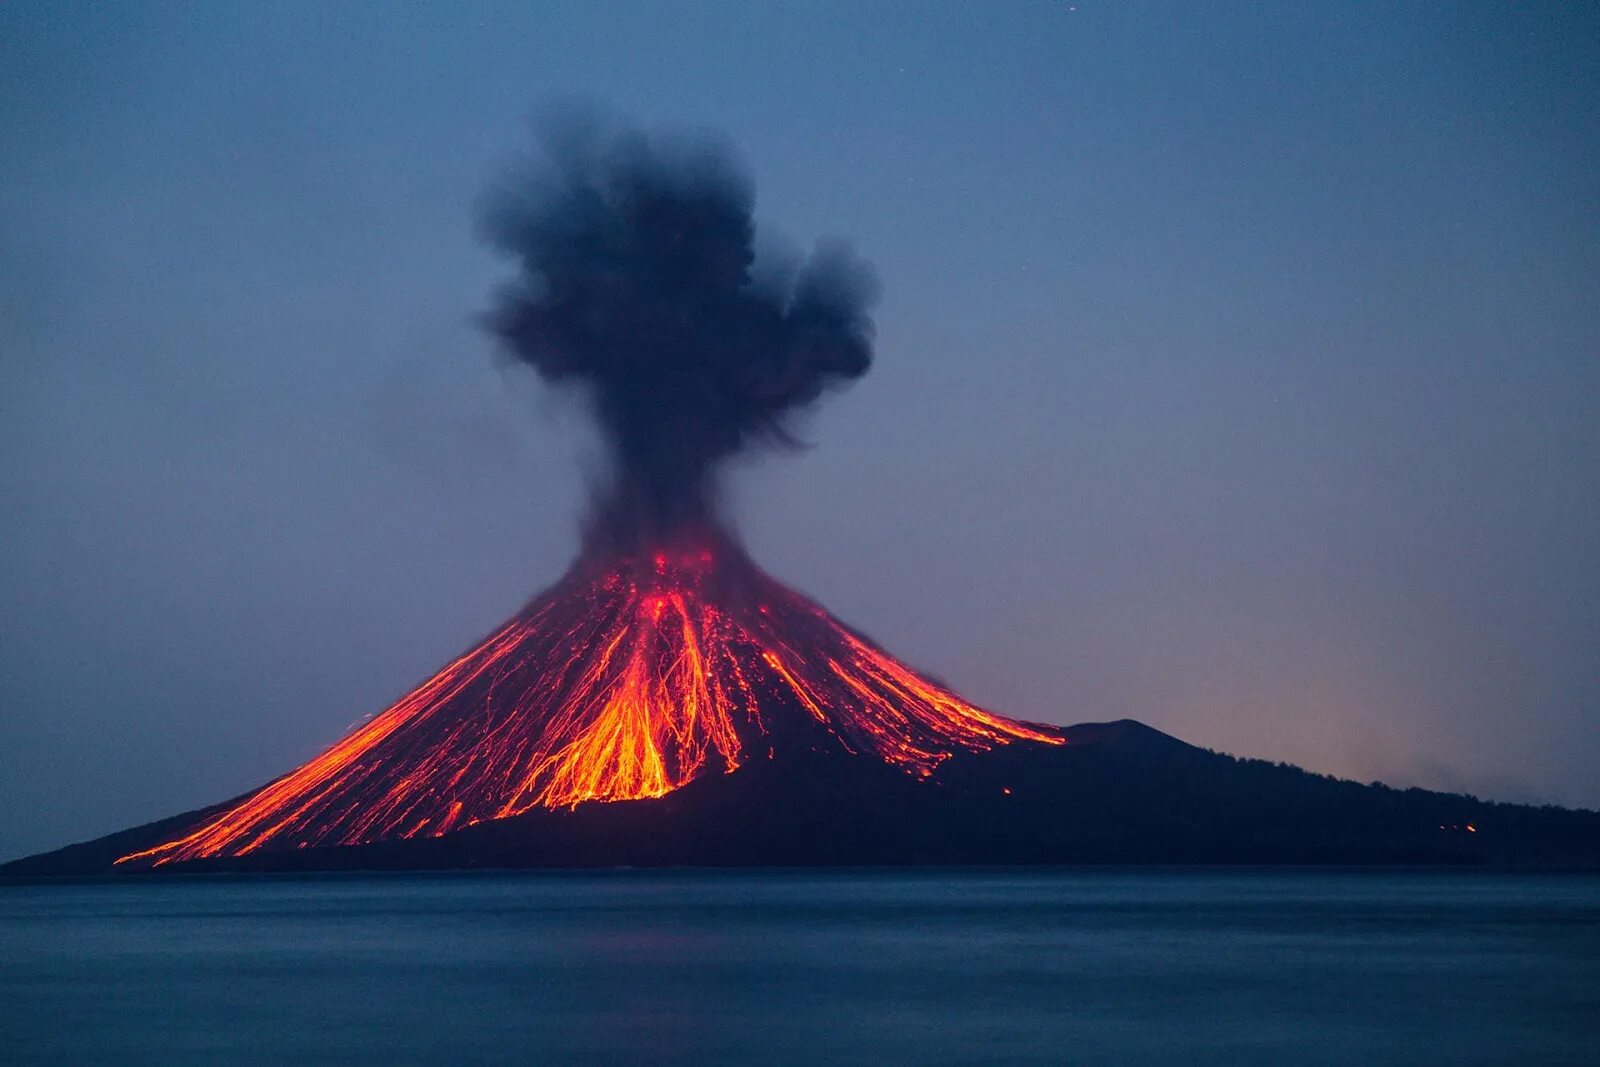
x,y
627,679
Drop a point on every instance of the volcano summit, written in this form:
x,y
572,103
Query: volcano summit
x,y
667,702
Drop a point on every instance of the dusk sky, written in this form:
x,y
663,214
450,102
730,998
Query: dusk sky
x,y
1238,370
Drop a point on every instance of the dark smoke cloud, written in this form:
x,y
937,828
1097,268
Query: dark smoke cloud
x,y
637,256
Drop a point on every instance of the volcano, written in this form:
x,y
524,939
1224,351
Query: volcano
x,y
681,707
667,702
629,678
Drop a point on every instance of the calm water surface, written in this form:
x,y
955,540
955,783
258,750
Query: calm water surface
x,y
778,968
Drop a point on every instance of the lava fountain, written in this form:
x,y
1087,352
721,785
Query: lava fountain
x,y
664,653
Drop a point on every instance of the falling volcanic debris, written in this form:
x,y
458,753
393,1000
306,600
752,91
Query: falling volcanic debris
x,y
664,653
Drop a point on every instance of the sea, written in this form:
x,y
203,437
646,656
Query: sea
x,y
1068,966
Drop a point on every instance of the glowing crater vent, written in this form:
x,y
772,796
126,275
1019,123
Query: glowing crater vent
x,y
627,679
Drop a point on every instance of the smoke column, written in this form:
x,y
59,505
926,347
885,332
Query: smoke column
x,y
636,254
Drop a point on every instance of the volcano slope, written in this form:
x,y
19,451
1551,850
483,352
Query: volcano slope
x,y
681,707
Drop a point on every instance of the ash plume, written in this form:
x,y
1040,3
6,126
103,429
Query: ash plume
x,y
638,283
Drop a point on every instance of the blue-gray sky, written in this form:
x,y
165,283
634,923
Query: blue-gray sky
x,y
1238,369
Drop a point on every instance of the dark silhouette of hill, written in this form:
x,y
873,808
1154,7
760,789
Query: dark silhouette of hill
x,y
1116,793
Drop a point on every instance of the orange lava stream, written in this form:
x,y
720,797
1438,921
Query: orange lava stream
x,y
622,682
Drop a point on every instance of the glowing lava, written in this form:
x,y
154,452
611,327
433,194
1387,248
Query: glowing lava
x,y
626,680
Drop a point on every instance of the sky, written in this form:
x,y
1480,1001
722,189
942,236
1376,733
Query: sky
x,y
1238,369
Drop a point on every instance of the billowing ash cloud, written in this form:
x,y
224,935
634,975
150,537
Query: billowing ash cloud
x,y
636,253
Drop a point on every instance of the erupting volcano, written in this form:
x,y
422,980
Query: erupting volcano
x,y
668,703
665,653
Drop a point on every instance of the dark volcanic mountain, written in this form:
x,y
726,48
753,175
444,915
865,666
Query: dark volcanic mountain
x,y
682,707
667,702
